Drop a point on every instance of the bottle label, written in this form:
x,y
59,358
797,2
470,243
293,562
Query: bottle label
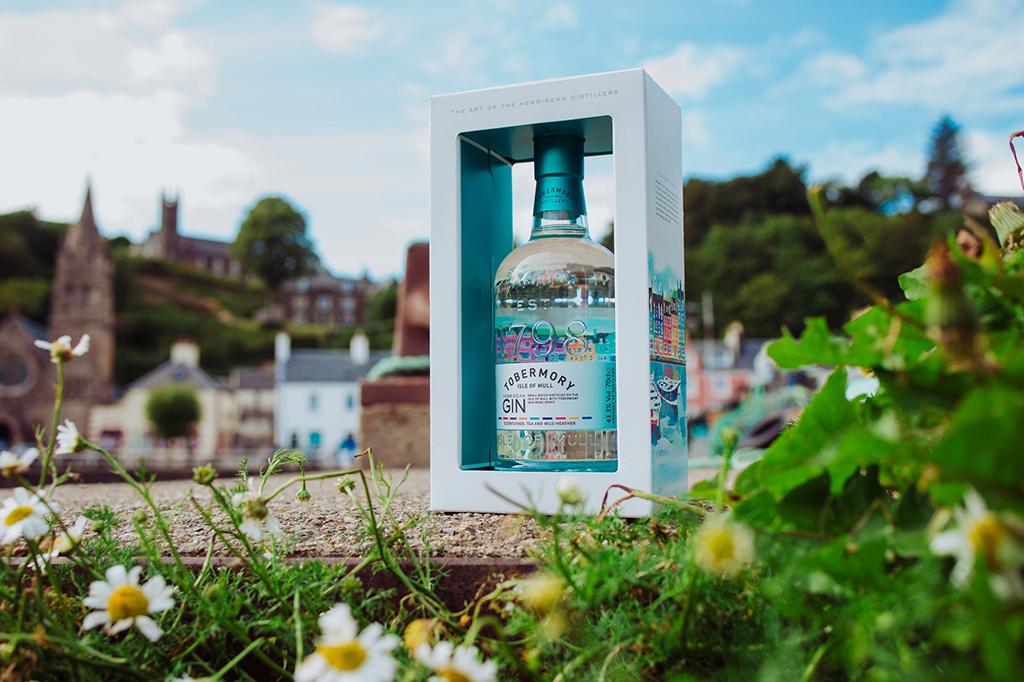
x,y
559,193
561,395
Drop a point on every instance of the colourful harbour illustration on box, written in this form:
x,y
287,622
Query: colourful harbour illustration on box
x,y
667,378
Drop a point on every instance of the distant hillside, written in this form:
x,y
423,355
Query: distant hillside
x,y
28,247
158,302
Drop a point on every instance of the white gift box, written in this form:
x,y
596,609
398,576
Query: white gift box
x,y
475,138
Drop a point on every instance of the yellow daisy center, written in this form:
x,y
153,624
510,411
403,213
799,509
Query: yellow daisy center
x,y
18,514
127,602
348,656
721,546
453,675
985,537
418,632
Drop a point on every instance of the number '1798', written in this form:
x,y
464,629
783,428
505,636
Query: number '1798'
x,y
542,339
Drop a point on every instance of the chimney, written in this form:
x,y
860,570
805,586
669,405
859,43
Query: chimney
x,y
282,353
282,347
185,352
360,348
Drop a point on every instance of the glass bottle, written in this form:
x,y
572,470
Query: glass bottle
x,y
554,315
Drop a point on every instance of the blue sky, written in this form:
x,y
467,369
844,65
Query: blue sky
x,y
326,103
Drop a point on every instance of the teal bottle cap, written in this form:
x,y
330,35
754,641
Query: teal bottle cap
x,y
558,169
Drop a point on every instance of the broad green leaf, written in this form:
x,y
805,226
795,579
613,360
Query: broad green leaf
x,y
797,455
804,508
817,346
915,283
758,511
985,440
851,564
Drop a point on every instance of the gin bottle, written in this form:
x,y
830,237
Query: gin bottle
x,y
554,329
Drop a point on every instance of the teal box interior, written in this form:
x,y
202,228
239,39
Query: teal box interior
x,y
486,158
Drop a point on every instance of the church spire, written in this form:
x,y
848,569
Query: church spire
x,y
87,218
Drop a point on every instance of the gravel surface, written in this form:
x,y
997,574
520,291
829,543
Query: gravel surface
x,y
329,525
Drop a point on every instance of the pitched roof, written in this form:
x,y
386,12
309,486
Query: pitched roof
x,y
328,365
252,378
171,373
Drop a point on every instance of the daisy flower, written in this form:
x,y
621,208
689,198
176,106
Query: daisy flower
x,y
23,516
456,663
344,654
723,547
68,439
69,540
12,465
996,538
569,492
61,348
543,592
254,513
64,543
421,630
122,602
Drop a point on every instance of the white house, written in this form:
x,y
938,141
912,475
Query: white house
x,y
317,395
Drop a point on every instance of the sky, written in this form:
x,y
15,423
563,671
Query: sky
x,y
326,104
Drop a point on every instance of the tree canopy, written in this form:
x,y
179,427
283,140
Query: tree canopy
x,y
946,174
173,410
272,243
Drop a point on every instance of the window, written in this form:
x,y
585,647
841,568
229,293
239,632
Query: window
x,y
314,439
324,302
313,401
350,403
720,385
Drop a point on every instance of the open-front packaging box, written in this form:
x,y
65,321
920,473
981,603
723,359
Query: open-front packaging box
x,y
476,138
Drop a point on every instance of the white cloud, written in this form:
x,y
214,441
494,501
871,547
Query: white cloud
x,y
692,71
51,52
344,28
992,170
559,18
850,160
832,69
695,129
459,56
967,58
131,146
175,58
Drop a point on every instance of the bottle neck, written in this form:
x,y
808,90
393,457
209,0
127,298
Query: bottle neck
x,y
559,208
547,224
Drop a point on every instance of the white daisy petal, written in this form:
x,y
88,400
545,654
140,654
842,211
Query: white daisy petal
x,y
116,575
95,618
149,628
119,626
133,576
33,526
312,668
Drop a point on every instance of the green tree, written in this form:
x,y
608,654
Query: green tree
x,y
172,411
768,273
779,189
946,174
383,304
272,243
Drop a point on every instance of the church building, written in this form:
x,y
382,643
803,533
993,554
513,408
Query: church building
x,y
82,302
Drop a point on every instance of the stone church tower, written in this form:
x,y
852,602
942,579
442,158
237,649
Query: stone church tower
x,y
83,303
